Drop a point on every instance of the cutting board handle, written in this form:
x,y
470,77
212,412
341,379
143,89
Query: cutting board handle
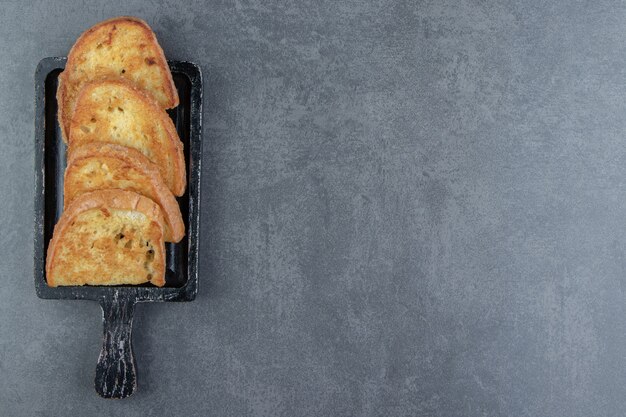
x,y
116,374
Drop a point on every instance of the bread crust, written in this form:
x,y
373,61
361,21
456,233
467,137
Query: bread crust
x,y
158,191
65,100
105,199
176,179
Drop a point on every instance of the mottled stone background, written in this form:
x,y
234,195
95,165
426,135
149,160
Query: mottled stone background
x,y
409,209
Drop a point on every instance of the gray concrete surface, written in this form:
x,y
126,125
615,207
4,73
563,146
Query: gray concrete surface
x,y
409,209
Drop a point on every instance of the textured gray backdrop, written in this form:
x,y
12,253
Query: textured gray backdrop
x,y
409,209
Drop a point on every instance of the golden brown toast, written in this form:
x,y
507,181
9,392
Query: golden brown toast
x,y
107,237
99,166
122,47
114,111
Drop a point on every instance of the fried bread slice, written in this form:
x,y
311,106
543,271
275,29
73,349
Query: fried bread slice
x,y
124,47
99,166
107,237
114,111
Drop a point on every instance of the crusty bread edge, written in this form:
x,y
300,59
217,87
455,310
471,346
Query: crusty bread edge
x,y
172,93
176,149
116,199
60,96
175,230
